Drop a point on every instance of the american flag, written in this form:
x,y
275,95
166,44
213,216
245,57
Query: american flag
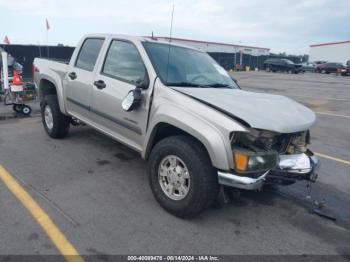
x,y
47,24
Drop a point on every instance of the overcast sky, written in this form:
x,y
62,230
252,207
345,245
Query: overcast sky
x,y
282,25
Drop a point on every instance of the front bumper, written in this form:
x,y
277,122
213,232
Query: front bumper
x,y
242,182
289,169
295,167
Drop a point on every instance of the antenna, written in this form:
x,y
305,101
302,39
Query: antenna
x,y
170,35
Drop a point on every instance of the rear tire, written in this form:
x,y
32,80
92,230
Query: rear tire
x,y
55,123
202,178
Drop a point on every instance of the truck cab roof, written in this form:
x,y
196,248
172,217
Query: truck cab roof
x,y
136,38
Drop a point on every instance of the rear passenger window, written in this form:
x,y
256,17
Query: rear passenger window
x,y
124,62
88,53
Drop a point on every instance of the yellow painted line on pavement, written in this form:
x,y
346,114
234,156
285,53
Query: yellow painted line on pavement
x,y
331,114
319,98
41,217
333,158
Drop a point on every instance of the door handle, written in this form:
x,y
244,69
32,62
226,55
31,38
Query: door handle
x,y
100,84
72,75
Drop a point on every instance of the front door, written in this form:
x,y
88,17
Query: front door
x,y
80,77
123,69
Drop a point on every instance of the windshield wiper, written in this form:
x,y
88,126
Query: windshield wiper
x,y
218,85
189,84
183,84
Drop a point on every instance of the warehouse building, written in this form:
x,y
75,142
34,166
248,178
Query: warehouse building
x,y
338,52
227,55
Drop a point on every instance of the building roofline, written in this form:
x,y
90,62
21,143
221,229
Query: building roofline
x,y
331,43
207,42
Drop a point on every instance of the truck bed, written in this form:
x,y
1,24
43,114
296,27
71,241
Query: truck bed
x,y
55,69
59,60
51,66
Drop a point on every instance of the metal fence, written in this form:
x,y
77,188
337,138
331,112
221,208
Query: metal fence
x,y
229,60
25,54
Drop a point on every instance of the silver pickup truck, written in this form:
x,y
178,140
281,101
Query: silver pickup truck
x,y
183,113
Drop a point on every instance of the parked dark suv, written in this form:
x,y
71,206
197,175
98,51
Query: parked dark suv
x,y
282,65
346,71
328,68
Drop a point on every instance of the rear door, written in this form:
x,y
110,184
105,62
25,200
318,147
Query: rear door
x,y
80,76
279,64
284,65
121,71
332,67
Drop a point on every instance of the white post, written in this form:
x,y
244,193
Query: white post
x,y
39,49
235,63
47,42
5,70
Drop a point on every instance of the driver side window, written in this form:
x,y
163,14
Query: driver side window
x,y
124,62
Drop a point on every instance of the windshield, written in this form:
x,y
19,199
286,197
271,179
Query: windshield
x,y
288,61
187,67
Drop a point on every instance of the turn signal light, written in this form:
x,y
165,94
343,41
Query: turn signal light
x,y
241,161
35,69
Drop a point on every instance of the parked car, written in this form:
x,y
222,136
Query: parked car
x,y
346,71
307,67
183,113
281,65
328,68
319,62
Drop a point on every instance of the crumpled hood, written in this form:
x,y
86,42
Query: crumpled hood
x,y
262,111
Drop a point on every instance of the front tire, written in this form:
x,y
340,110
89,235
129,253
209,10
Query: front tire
x,y
55,123
181,176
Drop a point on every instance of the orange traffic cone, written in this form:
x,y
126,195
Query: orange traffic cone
x,y
16,79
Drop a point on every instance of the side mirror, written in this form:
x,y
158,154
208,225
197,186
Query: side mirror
x,y
132,99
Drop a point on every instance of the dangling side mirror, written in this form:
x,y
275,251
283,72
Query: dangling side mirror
x,y
132,99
